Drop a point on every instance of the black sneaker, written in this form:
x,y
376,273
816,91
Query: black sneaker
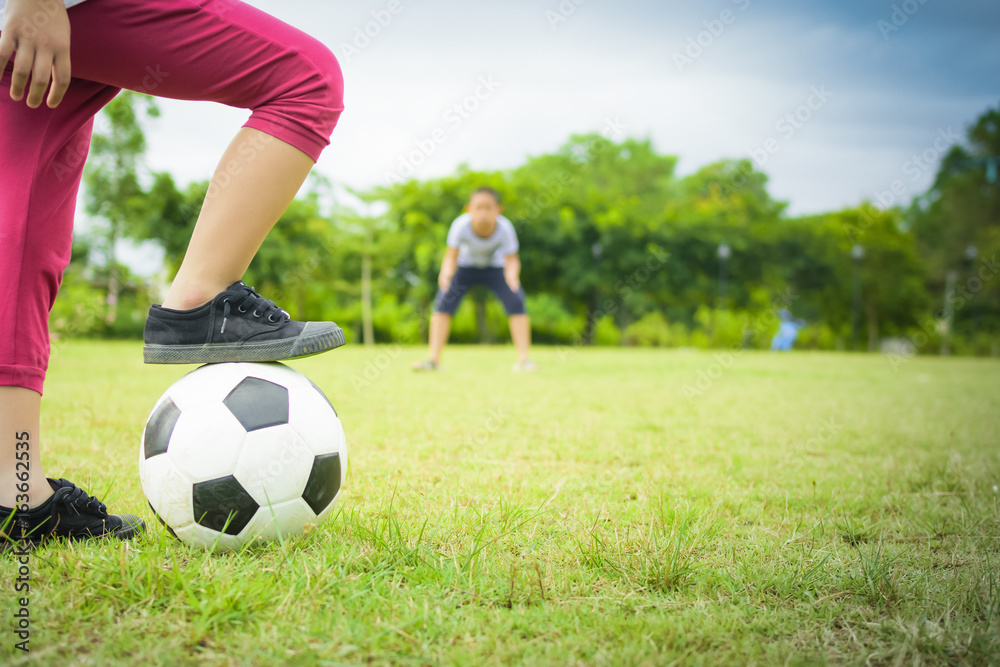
x,y
237,325
69,513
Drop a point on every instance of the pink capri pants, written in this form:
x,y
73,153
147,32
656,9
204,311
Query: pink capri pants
x,y
213,50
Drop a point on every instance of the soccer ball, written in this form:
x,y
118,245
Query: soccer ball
x,y
236,451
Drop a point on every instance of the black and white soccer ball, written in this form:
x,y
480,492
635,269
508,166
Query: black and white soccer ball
x,y
236,451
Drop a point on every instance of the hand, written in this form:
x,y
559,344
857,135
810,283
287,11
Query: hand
x,y
444,283
38,31
514,283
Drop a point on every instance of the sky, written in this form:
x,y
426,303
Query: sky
x,y
832,99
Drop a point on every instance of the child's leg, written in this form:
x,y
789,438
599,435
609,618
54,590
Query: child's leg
x,y
514,304
20,409
520,333
43,155
440,328
445,306
227,52
256,196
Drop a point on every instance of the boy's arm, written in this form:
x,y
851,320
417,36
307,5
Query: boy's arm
x,y
512,271
512,260
448,267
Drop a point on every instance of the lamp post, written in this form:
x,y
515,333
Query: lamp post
x,y
857,253
724,252
971,253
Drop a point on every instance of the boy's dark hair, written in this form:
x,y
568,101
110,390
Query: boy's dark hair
x,y
487,190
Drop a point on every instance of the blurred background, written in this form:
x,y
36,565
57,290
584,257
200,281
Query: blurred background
x,y
678,174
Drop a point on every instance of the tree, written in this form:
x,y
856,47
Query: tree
x,y
956,224
113,189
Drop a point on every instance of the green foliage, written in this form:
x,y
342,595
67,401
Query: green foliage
x,y
550,321
80,309
615,248
652,330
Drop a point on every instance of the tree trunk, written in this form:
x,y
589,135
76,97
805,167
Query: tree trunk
x,y
485,335
623,322
588,327
366,290
114,280
871,310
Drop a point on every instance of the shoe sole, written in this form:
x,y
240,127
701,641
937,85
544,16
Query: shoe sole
x,y
132,526
271,350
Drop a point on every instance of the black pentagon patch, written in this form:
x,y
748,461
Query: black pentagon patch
x,y
160,519
320,391
216,499
258,404
324,482
159,428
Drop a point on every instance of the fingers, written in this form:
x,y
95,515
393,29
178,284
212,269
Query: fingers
x,y
41,75
22,70
6,49
61,76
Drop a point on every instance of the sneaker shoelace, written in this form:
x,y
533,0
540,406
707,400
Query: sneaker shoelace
x,y
261,307
77,500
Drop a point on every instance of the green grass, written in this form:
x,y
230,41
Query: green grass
x,y
797,509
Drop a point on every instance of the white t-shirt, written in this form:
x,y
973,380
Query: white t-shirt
x,y
68,3
476,251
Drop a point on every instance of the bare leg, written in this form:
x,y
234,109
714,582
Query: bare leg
x,y
520,333
254,183
440,328
20,411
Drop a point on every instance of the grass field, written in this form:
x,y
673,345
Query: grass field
x,y
621,507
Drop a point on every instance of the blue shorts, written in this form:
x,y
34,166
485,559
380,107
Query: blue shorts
x,y
491,276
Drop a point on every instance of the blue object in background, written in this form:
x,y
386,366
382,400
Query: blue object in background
x,y
788,331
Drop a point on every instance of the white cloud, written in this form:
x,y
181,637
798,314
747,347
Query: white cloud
x,y
607,60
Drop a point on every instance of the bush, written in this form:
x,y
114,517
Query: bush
x,y
395,322
727,328
606,333
78,311
550,321
650,330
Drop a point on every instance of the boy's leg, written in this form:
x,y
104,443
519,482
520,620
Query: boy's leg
x,y
445,306
232,53
256,196
43,155
514,304
19,416
440,328
520,333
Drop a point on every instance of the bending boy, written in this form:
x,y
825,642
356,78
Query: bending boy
x,y
482,250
